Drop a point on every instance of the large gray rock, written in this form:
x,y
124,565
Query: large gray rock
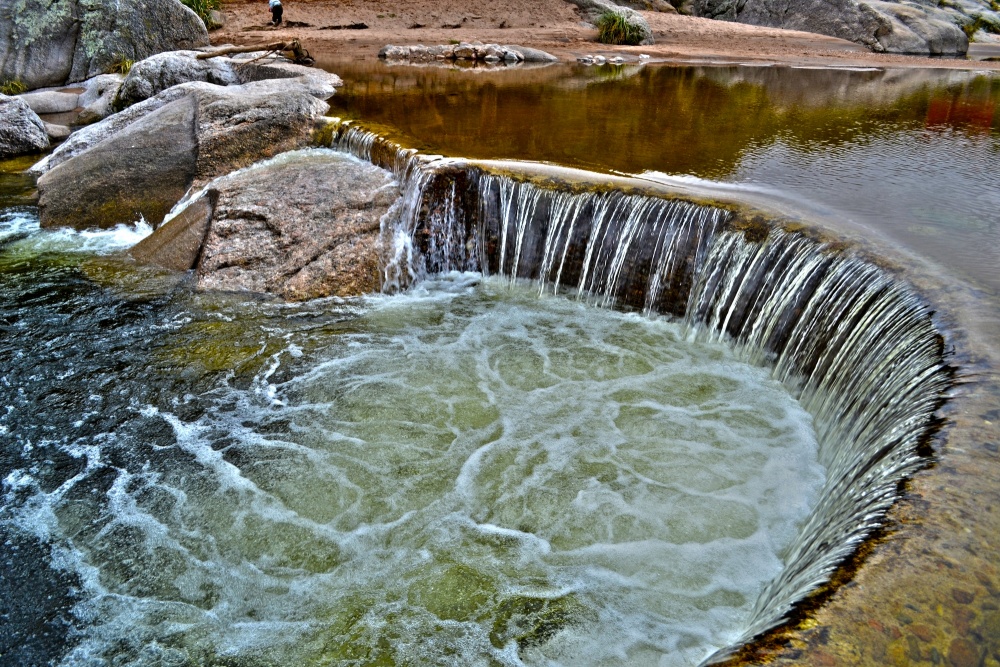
x,y
141,162
141,172
159,72
88,137
892,27
51,101
21,130
260,79
51,42
301,226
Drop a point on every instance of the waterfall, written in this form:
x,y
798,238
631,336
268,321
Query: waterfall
x,y
851,341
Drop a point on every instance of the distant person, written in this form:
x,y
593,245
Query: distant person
x,y
275,7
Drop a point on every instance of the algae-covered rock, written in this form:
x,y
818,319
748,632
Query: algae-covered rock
x,y
21,130
531,621
51,42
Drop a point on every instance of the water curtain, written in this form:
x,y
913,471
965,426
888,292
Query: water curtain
x,y
852,342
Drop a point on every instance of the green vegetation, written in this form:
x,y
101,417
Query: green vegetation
x,y
120,65
615,28
204,9
12,87
970,29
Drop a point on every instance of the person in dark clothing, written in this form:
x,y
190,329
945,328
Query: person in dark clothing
x,y
275,7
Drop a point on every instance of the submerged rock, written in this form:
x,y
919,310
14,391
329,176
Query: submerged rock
x,y
301,226
21,130
891,27
52,42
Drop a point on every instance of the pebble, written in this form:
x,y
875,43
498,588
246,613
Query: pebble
x,y
963,620
963,653
924,632
962,597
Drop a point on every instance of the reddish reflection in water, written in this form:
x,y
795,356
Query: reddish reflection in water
x,y
688,120
908,152
977,116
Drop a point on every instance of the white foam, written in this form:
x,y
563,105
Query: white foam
x,y
24,227
466,448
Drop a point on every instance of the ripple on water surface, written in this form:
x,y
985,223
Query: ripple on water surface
x,y
466,474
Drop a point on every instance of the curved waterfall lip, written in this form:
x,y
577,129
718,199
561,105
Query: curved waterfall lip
x,y
852,341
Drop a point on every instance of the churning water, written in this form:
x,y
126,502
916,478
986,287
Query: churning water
x,y
464,474
470,473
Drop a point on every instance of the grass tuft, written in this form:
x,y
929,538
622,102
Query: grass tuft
x,y
204,9
12,87
972,28
615,28
121,65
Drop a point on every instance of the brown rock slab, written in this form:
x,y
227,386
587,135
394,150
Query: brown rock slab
x,y
176,245
142,171
302,226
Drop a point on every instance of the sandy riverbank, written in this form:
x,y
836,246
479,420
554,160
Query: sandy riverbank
x,y
553,25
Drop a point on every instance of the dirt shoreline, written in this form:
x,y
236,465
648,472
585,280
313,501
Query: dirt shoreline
x,y
323,26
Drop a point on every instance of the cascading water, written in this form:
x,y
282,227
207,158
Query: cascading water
x,y
856,346
467,472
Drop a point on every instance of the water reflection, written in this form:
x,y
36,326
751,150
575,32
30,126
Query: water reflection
x,y
906,152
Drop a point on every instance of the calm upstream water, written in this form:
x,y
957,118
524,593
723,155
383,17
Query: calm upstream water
x,y
912,155
466,473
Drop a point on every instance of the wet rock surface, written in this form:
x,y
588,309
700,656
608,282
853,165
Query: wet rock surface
x,y
46,43
21,130
305,225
